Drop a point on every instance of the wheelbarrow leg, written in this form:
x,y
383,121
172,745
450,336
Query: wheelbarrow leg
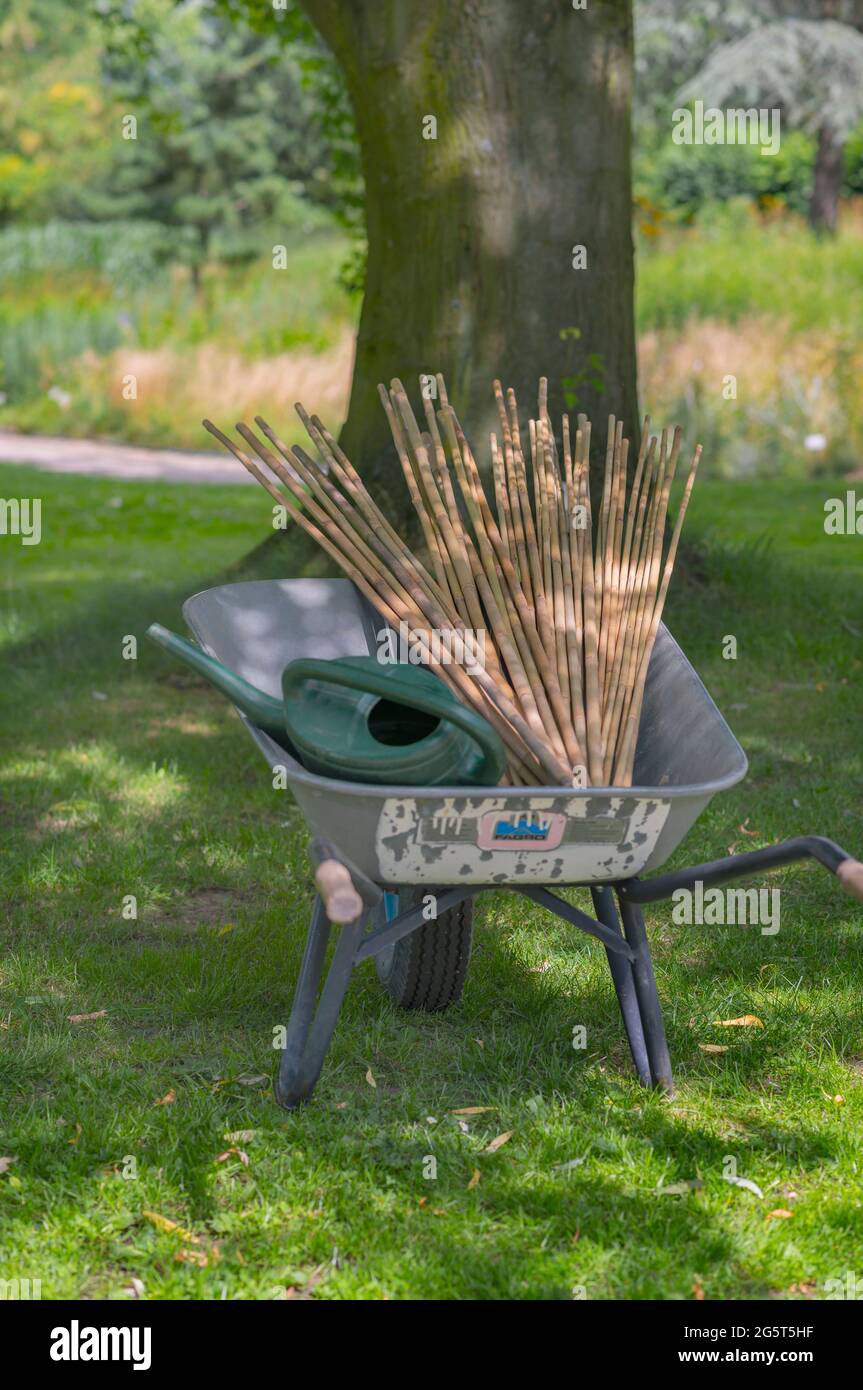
x,y
624,984
648,999
310,1030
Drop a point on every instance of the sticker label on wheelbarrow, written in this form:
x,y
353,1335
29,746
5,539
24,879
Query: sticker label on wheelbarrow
x,y
493,839
537,830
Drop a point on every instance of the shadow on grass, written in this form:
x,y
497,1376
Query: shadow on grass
x,y
178,810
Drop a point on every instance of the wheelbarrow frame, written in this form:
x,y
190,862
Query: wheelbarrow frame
x,y
351,894
624,937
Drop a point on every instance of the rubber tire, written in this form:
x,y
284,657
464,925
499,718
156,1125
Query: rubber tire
x,y
427,969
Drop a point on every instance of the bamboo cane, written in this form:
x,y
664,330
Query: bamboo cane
x,y
627,751
569,613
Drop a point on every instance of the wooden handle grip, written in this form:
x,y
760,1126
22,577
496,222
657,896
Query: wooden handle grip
x,y
342,902
850,875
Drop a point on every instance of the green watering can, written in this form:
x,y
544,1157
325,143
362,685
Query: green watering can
x,y
362,721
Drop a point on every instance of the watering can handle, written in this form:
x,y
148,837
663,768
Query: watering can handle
x,y
391,688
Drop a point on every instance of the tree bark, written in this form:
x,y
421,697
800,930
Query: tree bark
x,y
471,234
824,206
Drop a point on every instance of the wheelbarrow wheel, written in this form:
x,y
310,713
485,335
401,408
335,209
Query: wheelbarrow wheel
x,y
427,969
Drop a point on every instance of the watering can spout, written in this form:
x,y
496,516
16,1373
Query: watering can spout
x,y
264,710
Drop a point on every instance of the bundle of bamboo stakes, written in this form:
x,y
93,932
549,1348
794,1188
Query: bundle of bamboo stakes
x,y
568,605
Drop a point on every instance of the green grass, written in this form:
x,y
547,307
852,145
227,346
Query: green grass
x,y
155,791
732,265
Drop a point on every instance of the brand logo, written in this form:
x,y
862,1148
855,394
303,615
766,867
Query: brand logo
x,y
520,830
525,830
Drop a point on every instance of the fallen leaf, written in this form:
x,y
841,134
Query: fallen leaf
x,y
423,1202
6,1163
745,1021
164,1223
167,1099
87,1018
249,1080
243,1157
781,1213
712,1048
499,1141
472,1110
573,1163
229,926
77,1135
698,1290
748,1184
541,968
474,1182
370,1079
134,1289
678,1189
479,1042
241,1136
193,1257
745,831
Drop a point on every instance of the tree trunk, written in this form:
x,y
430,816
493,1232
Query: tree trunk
x,y
824,207
472,226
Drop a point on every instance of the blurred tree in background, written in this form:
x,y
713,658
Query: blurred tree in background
x,y
804,57
52,111
226,138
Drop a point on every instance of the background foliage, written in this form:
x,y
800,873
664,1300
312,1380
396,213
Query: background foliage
x,y
155,255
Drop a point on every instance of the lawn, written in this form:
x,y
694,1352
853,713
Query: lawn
x,y
121,778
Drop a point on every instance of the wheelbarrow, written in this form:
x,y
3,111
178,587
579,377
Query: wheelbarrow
x,y
400,867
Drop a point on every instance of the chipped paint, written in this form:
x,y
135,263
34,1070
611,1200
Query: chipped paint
x,y
492,839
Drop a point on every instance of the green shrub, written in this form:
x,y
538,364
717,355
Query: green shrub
x,y
683,179
732,263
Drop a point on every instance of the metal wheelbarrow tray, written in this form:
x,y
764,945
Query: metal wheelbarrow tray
x,y
377,841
